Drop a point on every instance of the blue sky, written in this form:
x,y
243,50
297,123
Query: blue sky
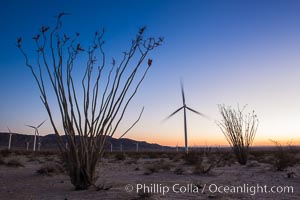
x,y
231,52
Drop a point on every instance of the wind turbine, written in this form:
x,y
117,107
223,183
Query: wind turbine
x,y
36,132
185,108
9,141
137,146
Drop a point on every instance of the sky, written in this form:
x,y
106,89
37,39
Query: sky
x,y
226,52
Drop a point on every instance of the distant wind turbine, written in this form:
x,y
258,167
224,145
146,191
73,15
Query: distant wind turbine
x,y
137,146
185,107
9,141
36,132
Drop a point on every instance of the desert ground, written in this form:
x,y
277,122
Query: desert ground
x,y
155,175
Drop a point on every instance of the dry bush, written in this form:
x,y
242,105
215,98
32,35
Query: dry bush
x,y
239,130
2,161
151,155
143,195
192,158
120,156
200,169
34,159
5,153
179,171
132,161
263,156
103,186
178,157
157,166
14,162
50,169
284,156
209,160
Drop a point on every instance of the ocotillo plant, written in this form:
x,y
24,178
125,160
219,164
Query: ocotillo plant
x,y
93,109
239,130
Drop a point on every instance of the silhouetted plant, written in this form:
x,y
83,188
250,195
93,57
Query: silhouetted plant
x,y
284,156
93,114
239,130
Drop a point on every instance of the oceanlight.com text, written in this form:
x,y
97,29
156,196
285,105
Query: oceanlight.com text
x,y
159,188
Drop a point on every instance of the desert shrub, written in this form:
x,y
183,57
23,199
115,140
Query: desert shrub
x,y
21,152
192,158
202,168
34,159
157,166
165,166
178,157
150,155
151,168
239,130
227,159
131,161
50,168
179,171
144,195
103,186
2,161
284,157
5,153
120,156
14,162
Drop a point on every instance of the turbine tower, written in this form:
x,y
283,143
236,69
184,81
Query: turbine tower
x,y
36,132
185,108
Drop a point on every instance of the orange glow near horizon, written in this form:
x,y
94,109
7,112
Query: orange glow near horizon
x,y
220,141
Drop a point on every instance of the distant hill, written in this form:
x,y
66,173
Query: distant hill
x,y
48,142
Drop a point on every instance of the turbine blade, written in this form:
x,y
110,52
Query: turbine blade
x,y
41,124
9,130
172,114
182,92
201,114
30,126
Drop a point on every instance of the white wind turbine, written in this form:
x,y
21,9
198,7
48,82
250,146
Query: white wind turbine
x,y
9,141
36,132
185,107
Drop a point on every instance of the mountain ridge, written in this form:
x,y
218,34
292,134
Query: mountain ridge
x,y
49,142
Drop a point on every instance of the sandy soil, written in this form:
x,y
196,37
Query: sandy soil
x,y
25,183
